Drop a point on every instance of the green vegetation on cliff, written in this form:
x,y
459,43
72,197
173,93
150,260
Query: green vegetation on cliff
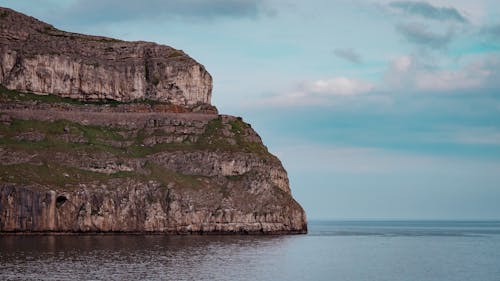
x,y
7,95
45,139
63,135
50,173
218,134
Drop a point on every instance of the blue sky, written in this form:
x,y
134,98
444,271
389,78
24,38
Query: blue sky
x,y
378,109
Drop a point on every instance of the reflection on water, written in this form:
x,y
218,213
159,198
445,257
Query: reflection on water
x,y
131,257
332,251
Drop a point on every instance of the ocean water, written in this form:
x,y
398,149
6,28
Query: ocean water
x,y
340,250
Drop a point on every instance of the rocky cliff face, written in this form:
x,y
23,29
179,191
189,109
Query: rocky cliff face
x,y
65,168
167,164
36,57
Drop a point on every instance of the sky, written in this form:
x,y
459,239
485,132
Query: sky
x,y
378,109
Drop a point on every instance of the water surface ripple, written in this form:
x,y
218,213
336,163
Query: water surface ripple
x,y
361,250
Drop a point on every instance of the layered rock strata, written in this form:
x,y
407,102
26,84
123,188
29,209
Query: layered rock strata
x,y
36,57
99,168
108,148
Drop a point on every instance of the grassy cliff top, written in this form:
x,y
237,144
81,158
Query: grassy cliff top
x,y
143,105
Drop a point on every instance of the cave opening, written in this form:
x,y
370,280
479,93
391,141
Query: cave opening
x,y
60,200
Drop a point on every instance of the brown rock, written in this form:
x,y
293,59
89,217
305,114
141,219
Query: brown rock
x,y
36,57
169,167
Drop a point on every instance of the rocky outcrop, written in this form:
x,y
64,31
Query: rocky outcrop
x,y
72,171
164,161
128,205
36,57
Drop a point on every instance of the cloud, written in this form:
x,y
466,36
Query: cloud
x,y
369,160
447,81
409,73
402,63
491,33
458,134
428,11
406,74
348,54
478,136
337,86
421,35
320,92
121,10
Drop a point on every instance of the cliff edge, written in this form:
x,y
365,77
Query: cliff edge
x,y
101,135
36,57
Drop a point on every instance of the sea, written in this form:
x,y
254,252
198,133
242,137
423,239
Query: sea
x,y
332,250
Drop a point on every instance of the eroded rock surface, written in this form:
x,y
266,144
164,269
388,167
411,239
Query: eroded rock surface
x,y
36,57
139,172
128,205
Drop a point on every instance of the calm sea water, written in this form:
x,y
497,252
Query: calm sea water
x,y
369,250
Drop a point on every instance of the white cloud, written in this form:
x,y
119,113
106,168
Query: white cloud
x,y
405,74
451,80
337,86
320,92
410,73
402,63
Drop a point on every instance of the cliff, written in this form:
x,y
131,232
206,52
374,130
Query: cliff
x,y
118,149
36,57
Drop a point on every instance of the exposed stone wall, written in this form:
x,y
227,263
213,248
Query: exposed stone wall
x,y
205,187
227,164
36,57
132,206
